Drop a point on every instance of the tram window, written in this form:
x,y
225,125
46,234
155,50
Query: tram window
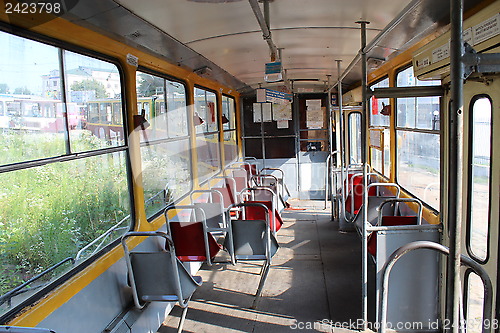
x,y
475,302
230,146
417,132
354,133
207,146
418,165
376,157
117,114
479,177
2,110
229,112
229,125
387,152
165,149
43,223
205,103
417,112
22,68
377,118
166,173
207,139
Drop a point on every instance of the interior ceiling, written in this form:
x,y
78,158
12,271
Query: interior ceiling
x,y
225,35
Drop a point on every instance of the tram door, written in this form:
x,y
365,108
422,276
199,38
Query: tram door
x,y
481,183
313,147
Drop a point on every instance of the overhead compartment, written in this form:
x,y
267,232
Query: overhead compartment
x,y
482,31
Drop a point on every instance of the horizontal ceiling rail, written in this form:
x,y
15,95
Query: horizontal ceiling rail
x,y
393,24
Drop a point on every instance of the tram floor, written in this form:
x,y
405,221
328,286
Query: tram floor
x,y
314,283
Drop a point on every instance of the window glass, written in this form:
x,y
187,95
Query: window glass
x,y
206,113
418,154
377,118
165,149
480,154
166,119
91,81
354,137
376,159
34,109
166,173
387,152
417,112
228,112
230,147
418,165
207,146
51,212
475,303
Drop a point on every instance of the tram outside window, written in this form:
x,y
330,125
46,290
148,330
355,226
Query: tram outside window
x,y
418,141
52,210
207,137
354,137
87,83
165,148
479,178
474,293
380,120
229,125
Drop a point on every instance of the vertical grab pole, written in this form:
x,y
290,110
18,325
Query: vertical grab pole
x,y
455,169
364,161
342,218
329,170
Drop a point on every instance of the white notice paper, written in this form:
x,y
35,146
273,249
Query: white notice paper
x,y
267,115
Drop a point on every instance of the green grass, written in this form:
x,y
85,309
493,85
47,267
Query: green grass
x,y
48,213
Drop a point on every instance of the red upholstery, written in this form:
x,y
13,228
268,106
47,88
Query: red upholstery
x,y
257,213
251,169
189,243
357,192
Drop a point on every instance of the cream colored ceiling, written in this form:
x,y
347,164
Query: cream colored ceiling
x,y
312,33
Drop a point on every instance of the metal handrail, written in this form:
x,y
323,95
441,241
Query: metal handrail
x,y
328,174
418,202
464,260
16,291
386,185
351,190
105,234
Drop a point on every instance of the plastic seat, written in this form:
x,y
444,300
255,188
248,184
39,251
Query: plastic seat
x,y
374,202
192,238
256,213
213,208
252,240
393,220
159,276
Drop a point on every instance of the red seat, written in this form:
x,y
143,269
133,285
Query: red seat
x,y
189,243
357,192
257,213
389,221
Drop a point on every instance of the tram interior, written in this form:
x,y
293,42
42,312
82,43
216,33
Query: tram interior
x,y
249,166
